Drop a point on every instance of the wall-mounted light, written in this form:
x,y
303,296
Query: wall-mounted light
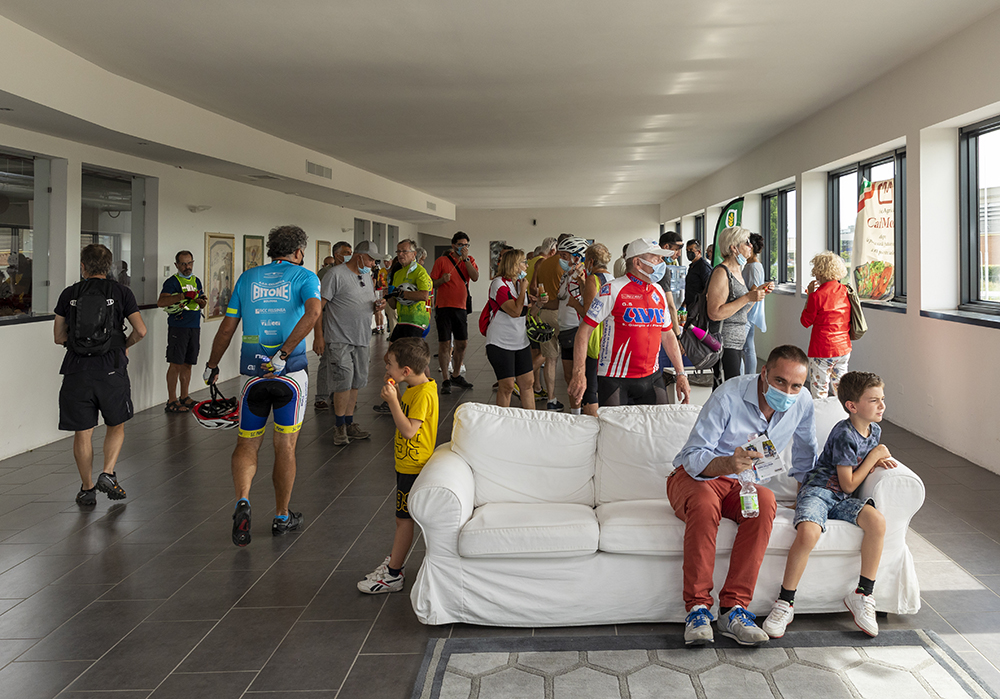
x,y
198,208
345,230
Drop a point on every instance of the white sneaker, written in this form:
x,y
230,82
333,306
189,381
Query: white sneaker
x,y
698,627
377,584
383,569
862,608
780,617
738,625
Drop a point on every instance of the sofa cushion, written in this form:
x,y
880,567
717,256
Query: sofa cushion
x,y
527,456
650,528
636,448
518,530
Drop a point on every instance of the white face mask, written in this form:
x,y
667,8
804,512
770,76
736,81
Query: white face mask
x,y
413,266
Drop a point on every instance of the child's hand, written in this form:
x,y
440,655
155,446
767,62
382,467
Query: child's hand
x,y
881,453
388,392
887,463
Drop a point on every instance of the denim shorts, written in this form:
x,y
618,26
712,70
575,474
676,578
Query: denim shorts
x,y
817,504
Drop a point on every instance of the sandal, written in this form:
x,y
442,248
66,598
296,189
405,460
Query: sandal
x,y
321,405
175,406
188,402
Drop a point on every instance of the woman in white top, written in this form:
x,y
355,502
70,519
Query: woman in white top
x,y
506,342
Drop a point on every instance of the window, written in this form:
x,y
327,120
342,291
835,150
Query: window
x,y
779,230
979,216
113,214
699,230
24,223
845,189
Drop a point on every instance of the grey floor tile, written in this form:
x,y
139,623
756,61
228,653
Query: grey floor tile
x,y
217,685
38,680
208,595
14,554
48,609
27,578
145,657
397,630
946,602
933,518
112,565
369,678
330,694
242,641
287,584
340,599
92,632
990,581
11,650
140,694
975,477
987,672
556,631
159,579
473,631
315,655
975,552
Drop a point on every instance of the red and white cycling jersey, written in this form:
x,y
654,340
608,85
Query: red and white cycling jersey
x,y
634,315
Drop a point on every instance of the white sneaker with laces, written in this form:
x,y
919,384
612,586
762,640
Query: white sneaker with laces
x,y
780,617
698,626
383,569
377,584
862,608
738,625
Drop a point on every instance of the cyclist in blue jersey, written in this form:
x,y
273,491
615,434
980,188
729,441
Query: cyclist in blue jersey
x,y
279,304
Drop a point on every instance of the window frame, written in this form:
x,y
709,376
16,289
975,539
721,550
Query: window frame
x,y
699,230
968,215
781,194
863,169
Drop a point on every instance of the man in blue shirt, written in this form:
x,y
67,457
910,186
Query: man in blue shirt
x,y
183,298
704,488
279,304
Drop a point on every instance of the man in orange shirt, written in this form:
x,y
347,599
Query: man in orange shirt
x,y
451,275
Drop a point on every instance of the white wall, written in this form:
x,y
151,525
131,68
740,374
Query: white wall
x,y
612,225
33,381
941,376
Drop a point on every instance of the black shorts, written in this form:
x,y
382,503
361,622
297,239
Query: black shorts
x,y
509,363
648,390
183,345
590,394
566,339
452,322
405,330
85,393
404,481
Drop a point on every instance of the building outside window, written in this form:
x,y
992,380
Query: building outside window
x,y
979,169
24,223
779,230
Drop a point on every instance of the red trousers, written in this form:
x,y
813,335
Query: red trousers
x,y
701,505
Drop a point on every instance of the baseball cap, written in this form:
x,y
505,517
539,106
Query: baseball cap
x,y
641,246
368,247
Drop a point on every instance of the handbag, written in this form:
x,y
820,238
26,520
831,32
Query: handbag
x,y
698,349
859,326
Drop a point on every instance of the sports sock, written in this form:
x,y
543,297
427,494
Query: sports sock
x,y
574,411
395,572
246,500
341,420
282,518
348,419
787,595
724,610
865,586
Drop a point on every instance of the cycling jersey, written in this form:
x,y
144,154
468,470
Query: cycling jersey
x,y
270,300
632,315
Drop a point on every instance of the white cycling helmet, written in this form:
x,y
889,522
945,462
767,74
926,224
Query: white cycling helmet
x,y
406,286
218,412
574,246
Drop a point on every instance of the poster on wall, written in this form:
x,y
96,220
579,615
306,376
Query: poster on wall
x,y
219,248
496,249
253,251
874,254
322,252
731,215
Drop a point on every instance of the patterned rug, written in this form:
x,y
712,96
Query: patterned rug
x,y
802,665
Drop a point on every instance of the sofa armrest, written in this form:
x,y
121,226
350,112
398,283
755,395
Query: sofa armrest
x,y
898,493
442,499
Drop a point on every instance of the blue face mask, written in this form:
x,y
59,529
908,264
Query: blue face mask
x,y
347,258
564,264
779,400
365,270
740,260
522,274
658,271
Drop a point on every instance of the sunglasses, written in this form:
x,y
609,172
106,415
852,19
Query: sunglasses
x,y
361,281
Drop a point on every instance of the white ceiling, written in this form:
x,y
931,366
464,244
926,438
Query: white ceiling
x,y
508,104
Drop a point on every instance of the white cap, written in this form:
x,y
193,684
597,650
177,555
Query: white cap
x,y
641,246
368,247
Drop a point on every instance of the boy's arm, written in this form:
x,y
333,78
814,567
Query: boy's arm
x,y
850,479
407,427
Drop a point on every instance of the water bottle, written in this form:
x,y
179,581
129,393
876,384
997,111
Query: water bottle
x,y
749,507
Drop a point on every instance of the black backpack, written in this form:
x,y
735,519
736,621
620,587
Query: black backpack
x,y
91,324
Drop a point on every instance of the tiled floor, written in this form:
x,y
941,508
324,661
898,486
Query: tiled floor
x,y
149,598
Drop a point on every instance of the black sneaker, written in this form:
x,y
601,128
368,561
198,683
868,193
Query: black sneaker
x,y
384,408
241,523
446,387
460,382
108,483
280,526
86,498
554,405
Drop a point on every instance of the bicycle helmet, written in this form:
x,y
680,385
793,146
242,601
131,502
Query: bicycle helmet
x,y
406,286
574,246
537,331
218,412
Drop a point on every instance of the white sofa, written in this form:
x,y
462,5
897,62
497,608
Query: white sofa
x,y
534,518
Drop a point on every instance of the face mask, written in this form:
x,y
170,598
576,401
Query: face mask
x,y
740,260
778,400
365,270
413,266
658,271
521,275
564,264
691,255
347,258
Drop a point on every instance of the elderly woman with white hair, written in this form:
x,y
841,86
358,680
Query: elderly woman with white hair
x,y
828,312
729,299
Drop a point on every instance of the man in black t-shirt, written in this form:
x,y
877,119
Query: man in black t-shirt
x,y
97,383
699,272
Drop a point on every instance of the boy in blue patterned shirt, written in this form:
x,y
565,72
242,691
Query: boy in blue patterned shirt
x,y
852,451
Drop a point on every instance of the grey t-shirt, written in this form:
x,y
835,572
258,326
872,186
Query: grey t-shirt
x,y
350,304
844,447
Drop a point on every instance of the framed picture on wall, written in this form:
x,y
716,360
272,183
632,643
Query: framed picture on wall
x,y
253,251
322,252
219,249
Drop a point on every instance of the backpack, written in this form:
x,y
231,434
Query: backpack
x,y
91,325
859,326
486,316
699,346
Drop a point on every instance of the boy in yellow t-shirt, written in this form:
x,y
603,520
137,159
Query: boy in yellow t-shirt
x,y
416,418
